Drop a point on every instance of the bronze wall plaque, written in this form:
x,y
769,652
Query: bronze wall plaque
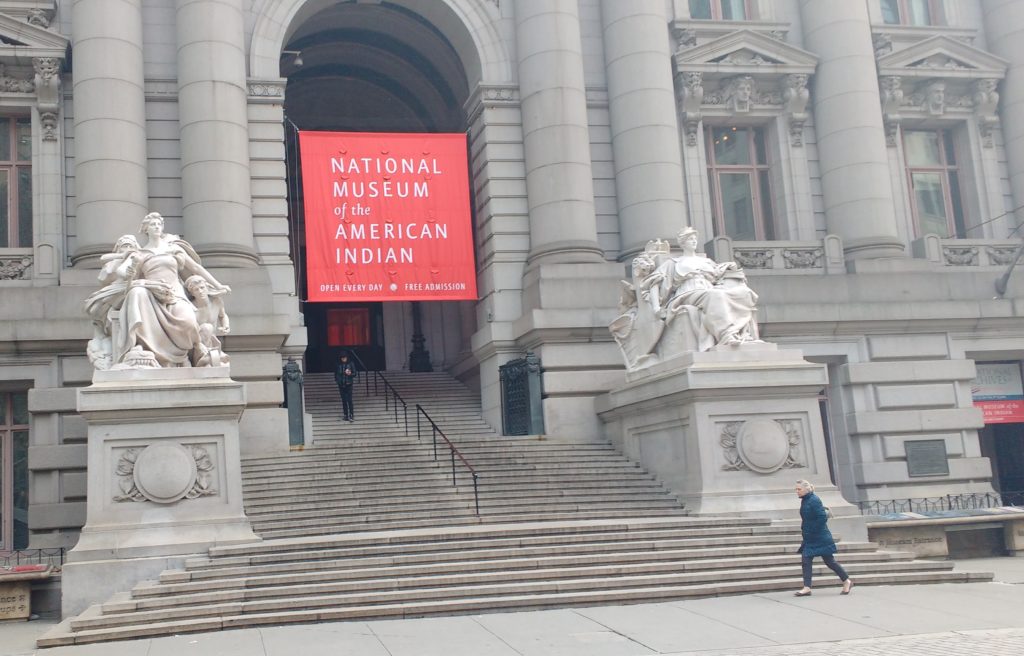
x,y
927,458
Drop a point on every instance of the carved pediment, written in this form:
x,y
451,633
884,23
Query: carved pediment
x,y
745,52
744,73
942,56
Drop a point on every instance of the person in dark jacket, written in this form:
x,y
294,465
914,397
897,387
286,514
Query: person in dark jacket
x,y
345,376
817,539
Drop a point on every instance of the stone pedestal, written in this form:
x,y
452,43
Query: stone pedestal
x,y
729,430
164,476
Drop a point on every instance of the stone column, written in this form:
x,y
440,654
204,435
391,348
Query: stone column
x,y
855,175
111,196
645,133
1004,29
559,179
215,179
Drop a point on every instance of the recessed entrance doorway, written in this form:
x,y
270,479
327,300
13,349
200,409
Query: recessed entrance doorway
x,y
373,67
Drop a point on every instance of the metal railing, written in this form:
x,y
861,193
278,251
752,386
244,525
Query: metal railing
x,y
969,501
391,397
455,453
53,557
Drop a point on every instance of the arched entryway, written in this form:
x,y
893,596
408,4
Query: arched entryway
x,y
375,67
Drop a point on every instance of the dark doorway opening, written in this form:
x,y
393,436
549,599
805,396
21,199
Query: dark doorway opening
x,y
1003,444
334,327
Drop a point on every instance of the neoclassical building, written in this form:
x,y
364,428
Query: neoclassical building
x,y
863,162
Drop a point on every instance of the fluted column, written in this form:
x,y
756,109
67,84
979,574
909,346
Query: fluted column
x,y
1004,32
645,132
855,174
110,125
556,144
212,97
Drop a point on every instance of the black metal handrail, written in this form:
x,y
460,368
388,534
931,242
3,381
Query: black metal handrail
x,y
53,557
435,431
391,397
968,501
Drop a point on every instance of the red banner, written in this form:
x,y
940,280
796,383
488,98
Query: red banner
x,y
387,217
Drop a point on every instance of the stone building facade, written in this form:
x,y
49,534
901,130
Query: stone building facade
x,y
863,161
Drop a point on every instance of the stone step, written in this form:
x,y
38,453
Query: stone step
x,y
172,596
495,585
441,508
476,605
465,538
272,502
384,510
483,460
371,524
445,551
360,568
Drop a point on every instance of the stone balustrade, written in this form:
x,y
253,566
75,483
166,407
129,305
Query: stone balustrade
x,y
962,253
781,257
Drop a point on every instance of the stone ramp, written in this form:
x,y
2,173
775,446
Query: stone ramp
x,y
473,569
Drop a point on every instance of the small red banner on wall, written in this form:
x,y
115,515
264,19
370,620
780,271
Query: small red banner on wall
x,y
998,391
387,217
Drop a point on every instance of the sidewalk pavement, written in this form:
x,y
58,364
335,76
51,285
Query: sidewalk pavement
x,y
921,620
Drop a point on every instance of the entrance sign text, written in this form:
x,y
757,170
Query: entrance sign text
x,y
998,392
387,217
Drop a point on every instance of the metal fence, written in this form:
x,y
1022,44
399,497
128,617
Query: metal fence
x,y
53,557
970,501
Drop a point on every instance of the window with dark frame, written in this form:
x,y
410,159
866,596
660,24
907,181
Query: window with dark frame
x,y
913,12
934,179
740,183
721,10
15,182
13,471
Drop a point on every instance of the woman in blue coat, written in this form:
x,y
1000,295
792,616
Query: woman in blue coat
x,y
817,539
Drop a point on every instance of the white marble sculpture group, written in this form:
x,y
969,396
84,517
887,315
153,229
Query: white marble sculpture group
x,y
689,302
158,308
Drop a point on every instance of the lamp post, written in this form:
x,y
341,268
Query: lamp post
x,y
419,359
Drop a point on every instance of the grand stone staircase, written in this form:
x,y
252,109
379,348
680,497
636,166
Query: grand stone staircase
x,y
367,524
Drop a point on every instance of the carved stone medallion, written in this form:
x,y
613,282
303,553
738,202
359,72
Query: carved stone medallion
x,y
165,473
762,445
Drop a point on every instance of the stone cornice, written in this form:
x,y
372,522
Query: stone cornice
x,y
942,56
486,96
267,91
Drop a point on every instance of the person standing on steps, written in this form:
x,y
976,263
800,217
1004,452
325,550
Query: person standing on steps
x,y
817,539
345,376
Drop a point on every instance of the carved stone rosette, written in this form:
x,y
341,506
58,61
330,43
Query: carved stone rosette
x,y
164,473
763,446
